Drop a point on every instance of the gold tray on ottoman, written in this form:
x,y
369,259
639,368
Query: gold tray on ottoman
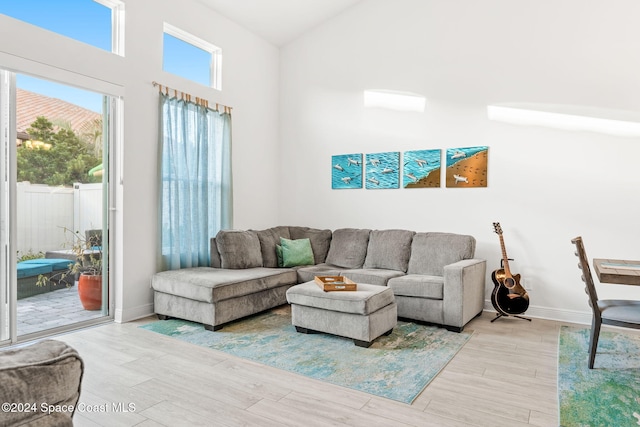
x,y
335,283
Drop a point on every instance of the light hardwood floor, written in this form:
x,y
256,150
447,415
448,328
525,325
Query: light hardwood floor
x,y
504,376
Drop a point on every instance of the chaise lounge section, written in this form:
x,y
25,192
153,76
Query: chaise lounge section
x,y
434,276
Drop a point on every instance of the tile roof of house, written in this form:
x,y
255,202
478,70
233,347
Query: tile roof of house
x,y
30,105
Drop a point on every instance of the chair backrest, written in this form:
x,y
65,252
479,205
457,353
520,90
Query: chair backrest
x,y
93,237
587,278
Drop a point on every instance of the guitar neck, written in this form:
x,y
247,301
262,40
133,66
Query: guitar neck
x,y
505,258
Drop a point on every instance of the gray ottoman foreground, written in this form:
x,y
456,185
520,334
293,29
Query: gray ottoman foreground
x,y
362,315
47,376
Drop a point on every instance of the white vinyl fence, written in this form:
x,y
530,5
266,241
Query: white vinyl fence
x,y
43,212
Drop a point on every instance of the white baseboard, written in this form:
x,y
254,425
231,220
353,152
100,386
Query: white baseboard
x,y
130,314
569,316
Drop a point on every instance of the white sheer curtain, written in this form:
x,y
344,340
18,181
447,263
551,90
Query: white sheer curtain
x,y
195,181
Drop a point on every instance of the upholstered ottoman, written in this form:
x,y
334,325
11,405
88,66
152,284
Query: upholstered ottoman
x,y
40,384
362,315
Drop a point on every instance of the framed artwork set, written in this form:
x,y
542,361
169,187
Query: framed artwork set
x,y
465,167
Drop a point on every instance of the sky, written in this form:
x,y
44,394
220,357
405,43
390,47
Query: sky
x,y
83,20
186,60
90,22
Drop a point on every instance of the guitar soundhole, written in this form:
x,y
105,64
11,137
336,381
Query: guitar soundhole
x,y
509,282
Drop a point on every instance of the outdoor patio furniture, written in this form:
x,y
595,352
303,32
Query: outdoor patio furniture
x,y
58,278
29,271
28,278
94,237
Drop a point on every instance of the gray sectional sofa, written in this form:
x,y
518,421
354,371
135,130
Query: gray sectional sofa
x,y
434,276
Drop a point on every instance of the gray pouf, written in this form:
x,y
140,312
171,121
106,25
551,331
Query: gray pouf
x,y
362,315
47,376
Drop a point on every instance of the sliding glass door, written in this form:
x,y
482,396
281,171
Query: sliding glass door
x,y
54,213
7,223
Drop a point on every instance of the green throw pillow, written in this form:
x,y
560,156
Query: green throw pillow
x,y
279,255
296,252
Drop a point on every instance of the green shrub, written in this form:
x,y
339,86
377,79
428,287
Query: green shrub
x,y
30,255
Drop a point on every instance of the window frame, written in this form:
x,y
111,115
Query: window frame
x,y
215,63
117,26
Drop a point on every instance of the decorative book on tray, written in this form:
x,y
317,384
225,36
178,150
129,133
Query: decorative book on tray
x,y
335,283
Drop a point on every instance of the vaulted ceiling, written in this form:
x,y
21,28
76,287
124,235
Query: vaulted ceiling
x,y
279,21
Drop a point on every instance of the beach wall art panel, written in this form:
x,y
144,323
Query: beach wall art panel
x,y
346,171
421,169
382,170
467,167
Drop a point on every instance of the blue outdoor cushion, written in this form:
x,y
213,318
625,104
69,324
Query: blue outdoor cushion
x,y
56,263
28,270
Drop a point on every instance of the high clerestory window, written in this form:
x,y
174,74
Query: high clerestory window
x,y
99,23
191,57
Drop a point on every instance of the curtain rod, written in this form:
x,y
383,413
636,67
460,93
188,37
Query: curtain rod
x,y
188,97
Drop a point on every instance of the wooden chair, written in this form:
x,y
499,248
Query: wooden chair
x,y
623,313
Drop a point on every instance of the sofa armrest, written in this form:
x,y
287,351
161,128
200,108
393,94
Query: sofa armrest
x,y
464,289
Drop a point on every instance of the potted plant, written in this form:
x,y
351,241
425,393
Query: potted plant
x,y
87,251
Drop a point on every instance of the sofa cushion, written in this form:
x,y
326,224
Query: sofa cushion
x,y
348,247
368,298
216,284
320,241
372,276
418,285
29,270
57,264
306,274
269,238
296,252
239,249
389,249
214,255
430,252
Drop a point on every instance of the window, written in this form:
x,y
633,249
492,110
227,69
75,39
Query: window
x,y
99,23
195,180
82,98
191,57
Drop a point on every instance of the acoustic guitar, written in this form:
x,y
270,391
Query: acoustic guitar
x,y
508,296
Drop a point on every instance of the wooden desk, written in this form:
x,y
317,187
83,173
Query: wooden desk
x,y
618,271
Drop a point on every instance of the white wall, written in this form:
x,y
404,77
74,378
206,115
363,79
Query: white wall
x,y
545,186
250,86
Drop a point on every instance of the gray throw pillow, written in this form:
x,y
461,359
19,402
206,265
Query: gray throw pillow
x,y
269,238
239,249
348,247
430,252
320,240
389,249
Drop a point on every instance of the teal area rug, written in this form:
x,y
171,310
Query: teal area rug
x,y
398,366
609,394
